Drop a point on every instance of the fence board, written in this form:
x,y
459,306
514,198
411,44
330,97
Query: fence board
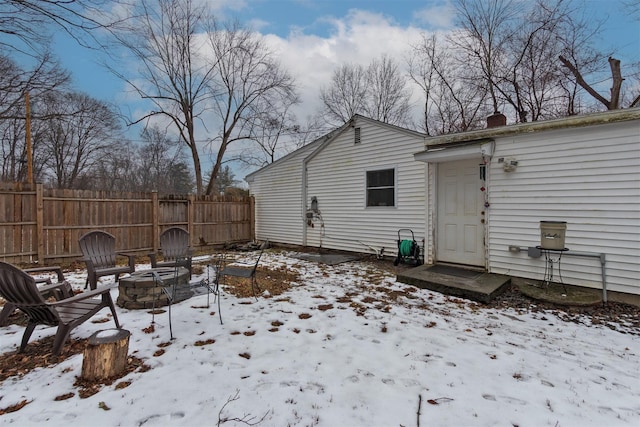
x,y
135,219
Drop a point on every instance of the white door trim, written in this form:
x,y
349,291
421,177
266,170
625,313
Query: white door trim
x,y
460,213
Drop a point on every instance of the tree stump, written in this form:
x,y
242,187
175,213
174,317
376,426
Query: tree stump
x,y
106,354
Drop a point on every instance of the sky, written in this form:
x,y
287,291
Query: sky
x,y
335,350
330,32
313,37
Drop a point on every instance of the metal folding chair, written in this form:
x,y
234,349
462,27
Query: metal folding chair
x,y
245,271
177,292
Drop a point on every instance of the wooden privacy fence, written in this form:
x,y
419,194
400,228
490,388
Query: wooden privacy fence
x,y
43,225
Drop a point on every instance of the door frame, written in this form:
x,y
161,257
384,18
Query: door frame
x,y
436,168
480,150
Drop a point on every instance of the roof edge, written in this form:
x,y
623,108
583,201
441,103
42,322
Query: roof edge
x,y
607,117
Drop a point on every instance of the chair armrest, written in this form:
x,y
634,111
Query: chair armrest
x,y
153,258
53,269
132,259
84,295
128,255
60,290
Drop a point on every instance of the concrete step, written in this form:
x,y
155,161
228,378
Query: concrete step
x,y
457,281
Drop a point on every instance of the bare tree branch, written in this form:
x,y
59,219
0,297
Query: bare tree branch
x,y
248,81
27,21
377,91
581,81
246,419
162,40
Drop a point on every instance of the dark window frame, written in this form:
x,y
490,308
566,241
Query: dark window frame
x,y
380,187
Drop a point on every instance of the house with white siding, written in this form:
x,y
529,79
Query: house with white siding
x,y
364,184
476,198
489,189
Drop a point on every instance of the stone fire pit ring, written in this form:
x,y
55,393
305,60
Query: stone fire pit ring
x,y
141,290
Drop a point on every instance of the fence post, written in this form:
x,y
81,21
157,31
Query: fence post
x,y
40,222
252,217
155,226
191,214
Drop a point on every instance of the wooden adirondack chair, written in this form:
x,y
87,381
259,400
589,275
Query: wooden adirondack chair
x,y
20,289
175,249
59,290
99,254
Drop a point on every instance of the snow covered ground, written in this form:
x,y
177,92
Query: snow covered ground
x,y
346,346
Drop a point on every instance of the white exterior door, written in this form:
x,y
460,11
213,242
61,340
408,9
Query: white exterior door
x,y
460,207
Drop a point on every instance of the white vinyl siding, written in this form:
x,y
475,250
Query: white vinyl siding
x,y
337,177
277,190
588,177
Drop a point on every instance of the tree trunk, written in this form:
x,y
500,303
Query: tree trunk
x,y
616,77
106,354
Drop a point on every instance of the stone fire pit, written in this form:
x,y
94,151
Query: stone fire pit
x,y
141,291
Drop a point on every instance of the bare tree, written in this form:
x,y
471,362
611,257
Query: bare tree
x,y
162,39
247,82
485,30
582,63
538,87
614,101
514,45
377,91
202,77
632,7
421,70
25,22
310,130
13,166
273,136
78,134
153,166
387,98
15,81
454,99
226,179
346,94
117,170
161,164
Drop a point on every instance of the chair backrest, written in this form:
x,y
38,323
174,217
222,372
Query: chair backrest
x,y
20,289
99,247
264,246
174,243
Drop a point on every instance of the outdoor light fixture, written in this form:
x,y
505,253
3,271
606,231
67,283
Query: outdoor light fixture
x,y
509,164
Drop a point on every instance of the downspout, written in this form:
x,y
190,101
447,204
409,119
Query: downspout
x,y
534,252
603,260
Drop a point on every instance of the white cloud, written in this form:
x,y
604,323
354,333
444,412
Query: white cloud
x,y
440,16
358,37
220,5
258,24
